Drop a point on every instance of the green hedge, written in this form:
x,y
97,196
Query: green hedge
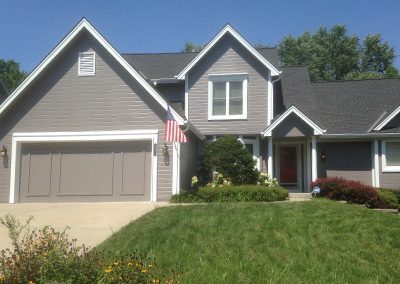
x,y
243,193
388,198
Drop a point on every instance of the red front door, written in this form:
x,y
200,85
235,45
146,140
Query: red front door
x,y
288,166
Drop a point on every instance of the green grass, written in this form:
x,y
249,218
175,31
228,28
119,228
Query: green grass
x,y
320,241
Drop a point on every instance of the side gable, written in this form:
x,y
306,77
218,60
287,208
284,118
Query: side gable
x,y
241,40
388,119
84,24
292,110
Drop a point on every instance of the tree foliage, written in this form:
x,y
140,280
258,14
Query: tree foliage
x,y
10,74
192,47
333,54
229,157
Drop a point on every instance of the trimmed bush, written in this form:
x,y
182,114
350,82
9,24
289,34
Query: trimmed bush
x,y
338,188
229,157
244,193
388,198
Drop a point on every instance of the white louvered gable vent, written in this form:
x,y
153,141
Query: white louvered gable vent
x,y
87,65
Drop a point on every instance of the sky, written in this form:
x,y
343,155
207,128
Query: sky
x,y
31,29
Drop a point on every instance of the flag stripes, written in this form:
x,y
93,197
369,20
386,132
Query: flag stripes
x,y
173,133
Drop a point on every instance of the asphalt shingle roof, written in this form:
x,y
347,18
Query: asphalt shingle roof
x,y
168,65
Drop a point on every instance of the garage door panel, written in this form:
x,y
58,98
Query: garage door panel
x,y
86,173
36,174
135,173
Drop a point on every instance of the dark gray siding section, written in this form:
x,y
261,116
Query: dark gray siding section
x,y
229,57
350,160
292,126
62,101
387,179
188,159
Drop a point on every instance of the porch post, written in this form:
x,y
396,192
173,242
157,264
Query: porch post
x,y
270,155
313,158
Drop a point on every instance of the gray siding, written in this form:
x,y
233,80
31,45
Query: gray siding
x,y
351,160
59,100
188,159
292,126
387,180
228,57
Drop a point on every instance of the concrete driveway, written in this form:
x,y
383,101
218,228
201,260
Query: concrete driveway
x,y
90,223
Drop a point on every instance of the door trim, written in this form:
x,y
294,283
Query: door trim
x,y
298,145
85,136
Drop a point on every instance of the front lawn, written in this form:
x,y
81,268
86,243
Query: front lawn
x,y
320,241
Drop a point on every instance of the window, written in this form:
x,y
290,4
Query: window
x,y
227,97
253,145
391,156
86,64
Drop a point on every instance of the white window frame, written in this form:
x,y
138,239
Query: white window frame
x,y
227,78
385,167
256,149
94,64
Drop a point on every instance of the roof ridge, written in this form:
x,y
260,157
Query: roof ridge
x,y
157,53
354,80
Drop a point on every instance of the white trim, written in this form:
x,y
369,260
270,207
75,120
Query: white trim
x,y
227,78
376,169
84,24
270,99
187,96
308,153
176,164
385,167
314,173
19,138
270,166
91,73
388,119
292,109
238,37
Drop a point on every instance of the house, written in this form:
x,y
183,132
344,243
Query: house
x,y
3,92
88,124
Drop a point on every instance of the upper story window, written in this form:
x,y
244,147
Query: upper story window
x,y
227,96
391,156
87,64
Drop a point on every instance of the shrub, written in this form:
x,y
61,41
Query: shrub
x,y
44,255
338,188
388,198
265,180
47,256
243,193
229,157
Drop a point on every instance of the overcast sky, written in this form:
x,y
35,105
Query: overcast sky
x,y
30,29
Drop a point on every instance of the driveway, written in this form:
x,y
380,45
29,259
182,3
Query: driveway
x,y
90,223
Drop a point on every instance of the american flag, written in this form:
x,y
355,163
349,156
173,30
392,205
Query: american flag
x,y
172,131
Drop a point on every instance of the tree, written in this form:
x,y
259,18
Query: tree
x,y
192,47
10,74
229,157
334,55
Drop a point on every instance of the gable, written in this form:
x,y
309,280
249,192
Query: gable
x,y
60,100
85,25
228,30
293,126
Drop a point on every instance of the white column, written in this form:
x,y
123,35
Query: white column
x,y
376,164
313,158
308,153
270,155
176,149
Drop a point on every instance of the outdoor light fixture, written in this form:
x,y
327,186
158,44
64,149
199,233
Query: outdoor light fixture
x,y
323,156
166,154
3,152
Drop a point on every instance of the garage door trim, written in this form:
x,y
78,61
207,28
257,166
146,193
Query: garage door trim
x,y
85,136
